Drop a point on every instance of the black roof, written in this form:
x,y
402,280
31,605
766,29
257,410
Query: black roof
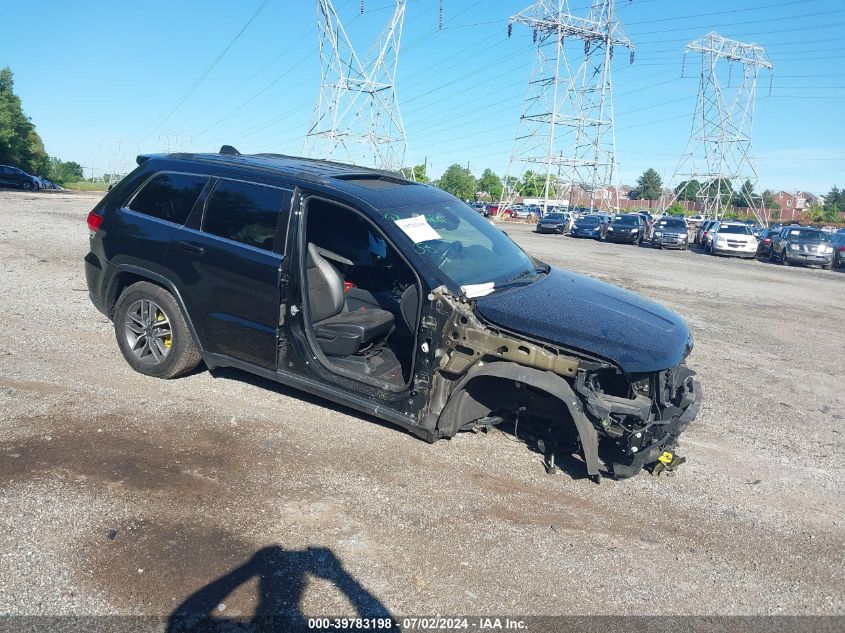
x,y
310,169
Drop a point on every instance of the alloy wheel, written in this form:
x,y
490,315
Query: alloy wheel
x,y
148,333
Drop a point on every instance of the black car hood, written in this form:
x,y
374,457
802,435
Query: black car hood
x,y
581,313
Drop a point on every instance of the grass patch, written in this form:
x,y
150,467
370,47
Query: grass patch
x,y
87,186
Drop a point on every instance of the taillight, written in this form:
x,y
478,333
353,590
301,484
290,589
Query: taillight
x,y
94,221
842,249
767,241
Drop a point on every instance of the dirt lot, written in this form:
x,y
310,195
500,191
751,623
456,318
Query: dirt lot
x,y
126,494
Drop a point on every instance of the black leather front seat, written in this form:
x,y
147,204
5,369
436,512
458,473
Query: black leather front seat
x,y
338,331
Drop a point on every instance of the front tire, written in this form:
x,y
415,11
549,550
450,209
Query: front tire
x,y
152,333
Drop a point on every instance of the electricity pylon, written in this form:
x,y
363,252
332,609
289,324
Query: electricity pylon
x,y
119,157
566,129
357,118
719,158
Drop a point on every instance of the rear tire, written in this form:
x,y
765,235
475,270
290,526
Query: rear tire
x,y
176,355
27,186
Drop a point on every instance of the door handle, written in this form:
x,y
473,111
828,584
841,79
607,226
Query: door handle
x,y
192,248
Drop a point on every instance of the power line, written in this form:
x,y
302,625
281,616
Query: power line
x,y
168,113
758,21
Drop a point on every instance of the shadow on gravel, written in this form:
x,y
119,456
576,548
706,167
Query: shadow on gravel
x,y
282,576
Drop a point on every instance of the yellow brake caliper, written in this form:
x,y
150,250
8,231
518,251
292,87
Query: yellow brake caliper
x,y
167,339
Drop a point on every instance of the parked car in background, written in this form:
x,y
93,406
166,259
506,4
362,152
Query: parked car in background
x,y
628,228
803,245
764,242
553,223
648,221
837,241
478,207
697,218
733,238
702,232
18,178
593,225
670,232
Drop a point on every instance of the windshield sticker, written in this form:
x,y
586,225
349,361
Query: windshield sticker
x,y
795,232
477,290
418,229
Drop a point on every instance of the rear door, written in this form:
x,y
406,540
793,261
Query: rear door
x,y
228,267
138,231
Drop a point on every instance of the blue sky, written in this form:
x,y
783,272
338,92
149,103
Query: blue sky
x,y
103,79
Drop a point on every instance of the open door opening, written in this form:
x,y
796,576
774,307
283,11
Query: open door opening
x,y
361,298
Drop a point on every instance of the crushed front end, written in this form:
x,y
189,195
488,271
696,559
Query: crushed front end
x,y
621,421
641,415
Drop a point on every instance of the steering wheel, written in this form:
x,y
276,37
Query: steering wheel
x,y
450,251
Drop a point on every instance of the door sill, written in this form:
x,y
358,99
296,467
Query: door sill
x,y
325,391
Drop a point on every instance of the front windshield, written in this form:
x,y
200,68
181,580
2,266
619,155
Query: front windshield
x,y
740,229
626,219
555,216
588,221
808,234
672,224
466,247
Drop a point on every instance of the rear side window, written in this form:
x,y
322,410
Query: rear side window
x,y
169,196
244,212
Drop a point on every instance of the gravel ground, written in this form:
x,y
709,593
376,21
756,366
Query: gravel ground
x,y
123,494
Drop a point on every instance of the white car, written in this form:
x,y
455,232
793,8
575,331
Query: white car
x,y
732,238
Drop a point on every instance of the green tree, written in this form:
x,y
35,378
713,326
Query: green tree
x,y
769,201
745,196
688,189
829,214
676,209
835,200
64,172
418,172
649,185
532,184
721,189
491,184
20,144
458,181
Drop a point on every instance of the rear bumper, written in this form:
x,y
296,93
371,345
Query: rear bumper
x,y
95,277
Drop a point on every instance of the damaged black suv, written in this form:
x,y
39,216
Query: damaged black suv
x,y
385,295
